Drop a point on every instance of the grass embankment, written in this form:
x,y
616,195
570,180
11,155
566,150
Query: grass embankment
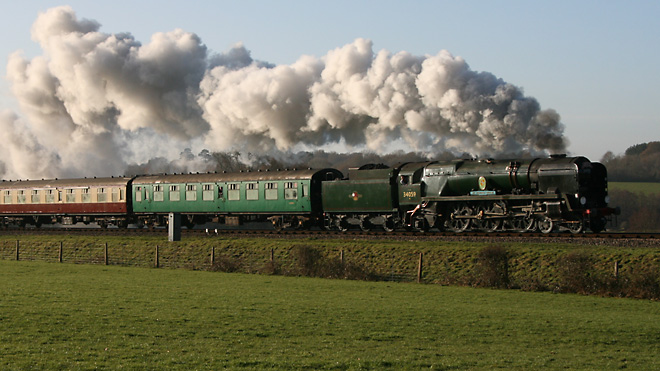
x,y
530,266
63,316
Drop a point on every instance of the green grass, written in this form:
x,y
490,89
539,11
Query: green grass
x,y
636,187
63,316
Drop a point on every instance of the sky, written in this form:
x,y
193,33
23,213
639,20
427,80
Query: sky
x,y
593,62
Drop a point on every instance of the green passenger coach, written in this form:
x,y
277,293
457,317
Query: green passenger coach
x,y
285,198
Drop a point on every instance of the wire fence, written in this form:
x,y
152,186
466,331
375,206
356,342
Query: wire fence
x,y
491,266
295,260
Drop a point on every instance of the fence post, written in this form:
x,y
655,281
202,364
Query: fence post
x,y
17,254
60,254
272,254
341,257
616,269
212,256
419,268
156,259
105,254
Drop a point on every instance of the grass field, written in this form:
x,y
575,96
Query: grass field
x,y
635,187
64,316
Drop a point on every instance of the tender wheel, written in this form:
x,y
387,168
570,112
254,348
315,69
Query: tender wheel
x,y
389,225
545,225
365,225
458,219
328,223
341,224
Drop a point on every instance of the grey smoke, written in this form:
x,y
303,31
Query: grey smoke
x,y
94,103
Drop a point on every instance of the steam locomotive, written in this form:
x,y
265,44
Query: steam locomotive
x,y
523,195
545,194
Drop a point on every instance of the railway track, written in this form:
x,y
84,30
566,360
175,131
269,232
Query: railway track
x,y
605,238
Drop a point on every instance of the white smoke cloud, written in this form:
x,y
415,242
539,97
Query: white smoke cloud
x,y
95,102
21,156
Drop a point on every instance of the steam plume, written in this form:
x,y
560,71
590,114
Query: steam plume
x,y
95,102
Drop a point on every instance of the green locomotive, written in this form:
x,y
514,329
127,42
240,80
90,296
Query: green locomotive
x,y
521,195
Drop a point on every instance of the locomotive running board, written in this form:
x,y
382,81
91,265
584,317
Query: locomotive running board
x,y
493,198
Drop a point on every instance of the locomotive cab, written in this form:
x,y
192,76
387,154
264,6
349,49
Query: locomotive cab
x,y
411,187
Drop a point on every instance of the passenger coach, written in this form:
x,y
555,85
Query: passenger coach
x,y
65,201
289,198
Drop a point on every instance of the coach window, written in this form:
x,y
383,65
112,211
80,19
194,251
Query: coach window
x,y
207,192
221,192
7,197
175,193
234,193
70,195
20,198
35,197
159,195
290,190
252,191
138,194
101,195
50,196
115,195
271,191
86,195
305,190
191,192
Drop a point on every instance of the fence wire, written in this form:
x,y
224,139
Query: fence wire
x,y
288,261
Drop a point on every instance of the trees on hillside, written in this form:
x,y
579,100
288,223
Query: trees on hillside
x,y
640,163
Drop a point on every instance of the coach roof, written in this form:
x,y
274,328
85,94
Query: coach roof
x,y
249,176
65,183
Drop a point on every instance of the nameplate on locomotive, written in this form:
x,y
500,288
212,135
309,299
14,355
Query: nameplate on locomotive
x,y
482,193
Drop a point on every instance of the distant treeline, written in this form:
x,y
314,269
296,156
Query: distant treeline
x,y
640,163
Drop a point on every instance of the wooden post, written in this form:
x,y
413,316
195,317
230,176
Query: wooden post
x,y
60,254
156,263
17,248
341,257
616,269
419,268
105,254
272,255
212,255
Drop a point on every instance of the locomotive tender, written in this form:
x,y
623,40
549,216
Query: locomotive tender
x,y
524,195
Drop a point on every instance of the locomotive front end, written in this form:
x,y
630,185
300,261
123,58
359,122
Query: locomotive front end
x,y
592,200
